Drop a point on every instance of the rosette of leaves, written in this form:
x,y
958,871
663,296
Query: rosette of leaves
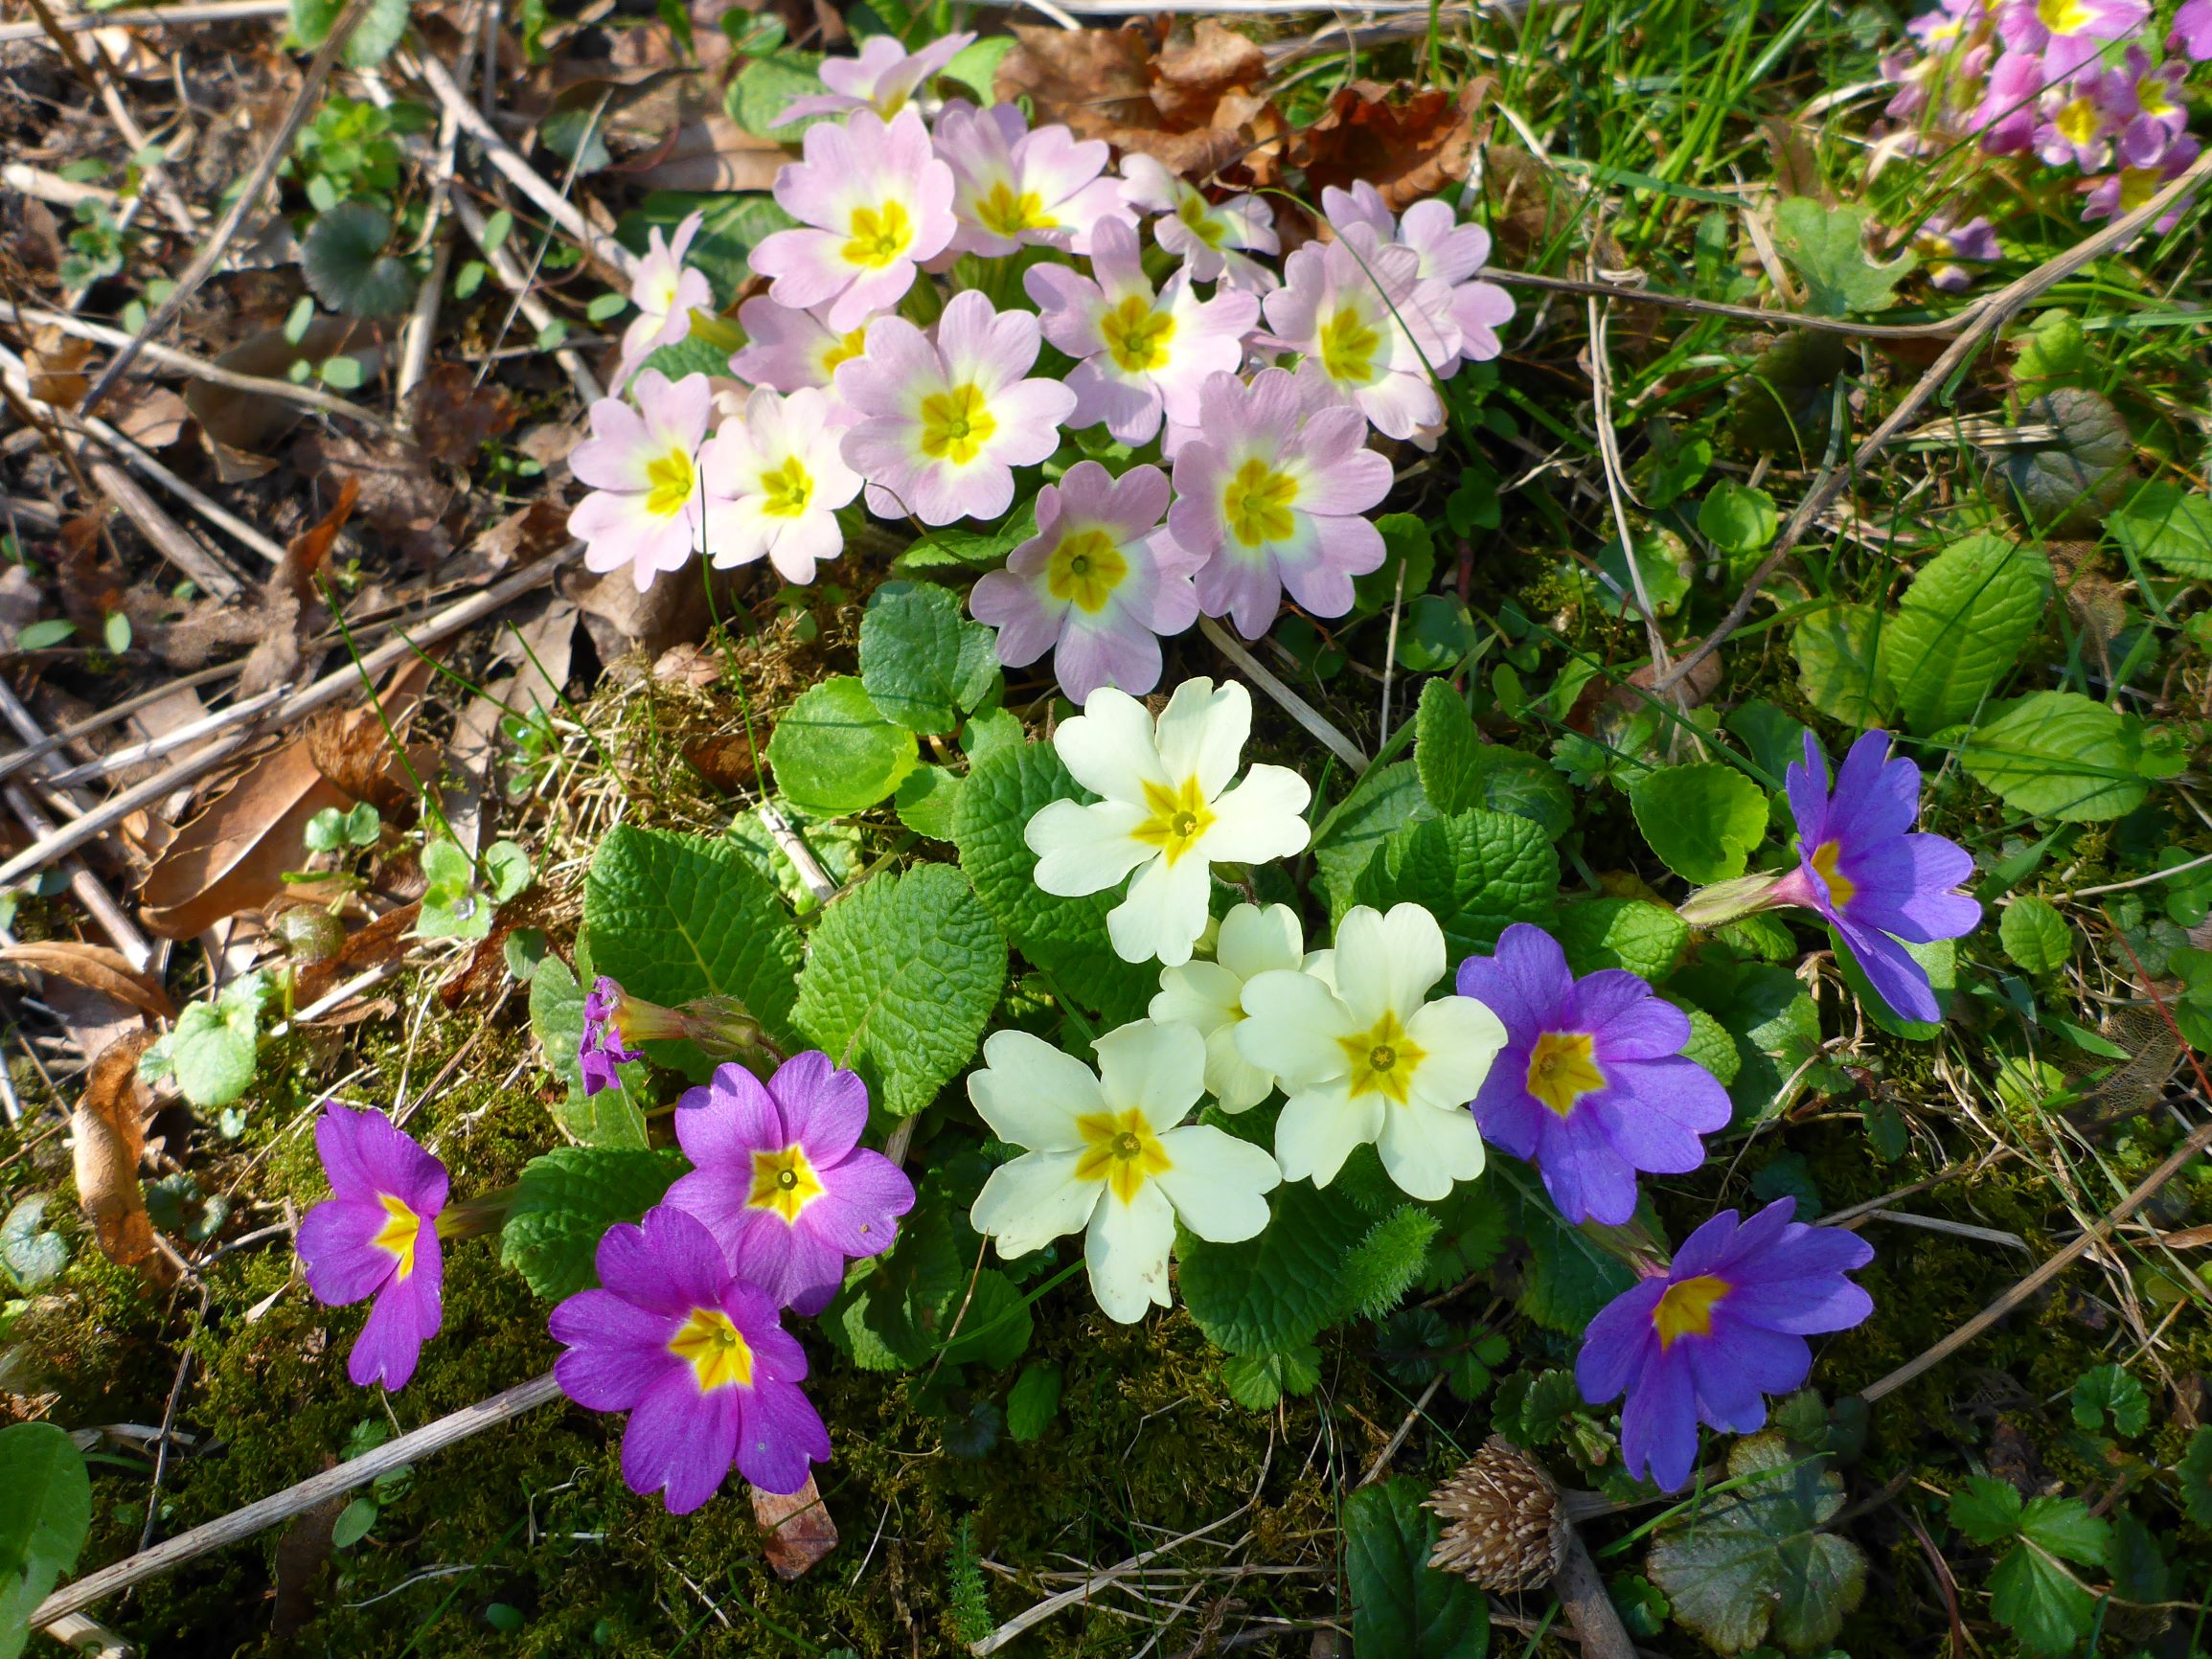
x,y
343,257
455,906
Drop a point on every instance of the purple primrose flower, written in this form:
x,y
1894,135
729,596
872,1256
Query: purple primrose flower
x,y
376,1236
601,1048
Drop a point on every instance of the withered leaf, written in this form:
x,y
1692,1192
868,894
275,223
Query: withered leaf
x,y
1406,143
246,423
301,1555
402,497
382,940
524,537
97,968
292,605
800,1532
452,418
107,1132
151,416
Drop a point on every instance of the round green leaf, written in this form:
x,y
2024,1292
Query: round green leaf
x,y
1838,667
922,662
2035,935
1737,518
835,754
1702,820
354,1523
343,261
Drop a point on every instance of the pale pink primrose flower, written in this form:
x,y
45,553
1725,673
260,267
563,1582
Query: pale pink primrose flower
x,y
790,351
2069,34
874,202
1269,491
1096,585
943,421
1216,240
645,508
774,481
1140,353
883,77
1451,252
1014,188
1359,309
665,291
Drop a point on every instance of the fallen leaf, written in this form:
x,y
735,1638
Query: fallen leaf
x,y
151,417
97,968
800,1532
380,942
452,416
689,665
524,537
709,151
302,1554
1700,683
107,1132
728,761
1407,144
292,607
353,747
246,424
2188,1238
401,495
55,361
620,619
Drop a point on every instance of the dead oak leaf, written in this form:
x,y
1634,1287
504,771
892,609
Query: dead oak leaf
x,y
452,416
1409,143
107,1135
96,966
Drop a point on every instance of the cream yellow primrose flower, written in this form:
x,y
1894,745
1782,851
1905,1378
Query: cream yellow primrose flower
x,y
1208,996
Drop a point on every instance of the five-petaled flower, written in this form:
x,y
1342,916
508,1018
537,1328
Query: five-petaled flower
x,y
1169,812
1209,996
1016,189
1725,1325
1097,584
791,350
1362,318
1593,1084
697,1357
666,291
1215,239
775,478
1366,1057
782,1180
645,508
1109,1155
883,76
603,1044
2068,34
376,1236
1449,253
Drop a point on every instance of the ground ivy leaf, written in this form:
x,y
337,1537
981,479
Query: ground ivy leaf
x,y
1274,1292
566,1201
1960,626
677,916
1828,248
2066,482
33,1254
1839,666
922,662
1476,873
1703,819
1753,1561
835,754
2035,935
43,1523
1634,934
1401,1606
2166,525
213,1048
2059,754
610,1118
900,977
2047,1611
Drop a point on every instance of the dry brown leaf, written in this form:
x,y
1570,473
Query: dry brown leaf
x,y
1407,144
800,1532
1703,682
452,416
692,665
108,1133
292,609
2188,1238
729,761
401,495
524,537
54,359
96,968
151,416
382,940
243,426
709,151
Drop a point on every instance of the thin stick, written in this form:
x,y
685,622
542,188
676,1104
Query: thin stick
x,y
169,743
12,763
148,17
1293,705
502,265
470,1420
1383,1458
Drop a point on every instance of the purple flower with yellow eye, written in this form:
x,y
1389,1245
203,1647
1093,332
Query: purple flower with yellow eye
x,y
697,1357
1724,1326
1862,871
377,1237
782,1180
1593,1084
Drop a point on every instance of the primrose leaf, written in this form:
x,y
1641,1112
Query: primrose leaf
x,y
212,1050
610,1118
1407,548
902,974
923,664
2059,754
1828,247
2064,482
994,1327
2167,526
43,1523
1476,873
1387,799
2035,936
1274,1292
1838,664
1401,1606
1753,1563
1646,939
1960,626
372,39
1738,518
342,255
32,1253
1458,770
1033,1402
835,754
2193,1473
1569,1276
565,1203
1703,819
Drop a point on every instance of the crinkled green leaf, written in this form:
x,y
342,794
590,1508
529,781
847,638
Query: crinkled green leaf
x,y
1827,246
1960,626
1033,1402
2035,935
834,753
564,1205
1838,664
44,1517
1634,934
1387,798
342,255
922,662
1777,1029
1402,1607
2059,754
1476,874
1277,1290
2046,1608
1712,1046
1458,770
2108,1391
900,979
893,1306
1703,819
610,1118
2167,526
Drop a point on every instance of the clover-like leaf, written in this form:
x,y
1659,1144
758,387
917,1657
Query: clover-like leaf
x,y
343,259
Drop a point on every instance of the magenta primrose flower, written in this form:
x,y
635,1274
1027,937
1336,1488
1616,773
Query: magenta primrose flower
x,y
645,508
376,1236
1359,313
666,291
1141,355
2122,193
2191,34
1096,585
794,351
601,1046
697,1357
782,1180
945,421
1943,244
1724,1326
2145,99
882,77
1270,494
874,202
1862,869
2077,125
2006,115
1216,240
1014,188
2069,34
1592,1085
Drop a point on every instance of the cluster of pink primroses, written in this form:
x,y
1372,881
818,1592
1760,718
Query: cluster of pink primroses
x,y
893,363
2074,83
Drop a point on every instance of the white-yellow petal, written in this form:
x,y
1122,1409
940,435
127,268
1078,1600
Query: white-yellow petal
x,y
1031,1094
1320,1127
1254,940
1164,913
1385,963
1085,849
1235,1083
1031,1200
1292,1024
1262,818
1199,994
1127,1251
1459,1039
1110,748
1161,1070
1427,1148
1217,1182
1202,732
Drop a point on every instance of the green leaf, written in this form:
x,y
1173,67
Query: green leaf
x,y
891,1308
922,662
32,1253
1402,1608
1569,1276
2194,1474
1408,549
2054,350
1458,770
506,870
42,635
1986,1511
2047,1611
1277,1290
1738,518
1712,1046
1662,557
833,754
1436,634
994,1327
762,90
43,1522
2064,1525
730,227
1033,1402
1753,1562
2066,482
677,916
1703,819
447,870
1828,248
1839,668
1385,799
1256,1382
1475,873
1634,934
2164,525
927,800
903,973
2059,754
1777,1029
2035,935
610,1118
975,66
343,259
354,1523
378,30
565,1203
1960,627
212,1050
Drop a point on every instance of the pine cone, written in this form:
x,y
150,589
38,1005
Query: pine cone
x,y
1504,1526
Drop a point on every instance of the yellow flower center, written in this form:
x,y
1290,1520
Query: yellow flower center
x,y
846,350
783,1182
1195,212
398,1235
955,425
717,1352
1120,1150
1257,504
2137,186
1084,569
2077,122
668,481
1349,345
789,488
1561,1070
2151,97
1136,336
1383,1059
1686,1309
660,294
1009,215
1179,816
2065,17
1840,887
877,235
